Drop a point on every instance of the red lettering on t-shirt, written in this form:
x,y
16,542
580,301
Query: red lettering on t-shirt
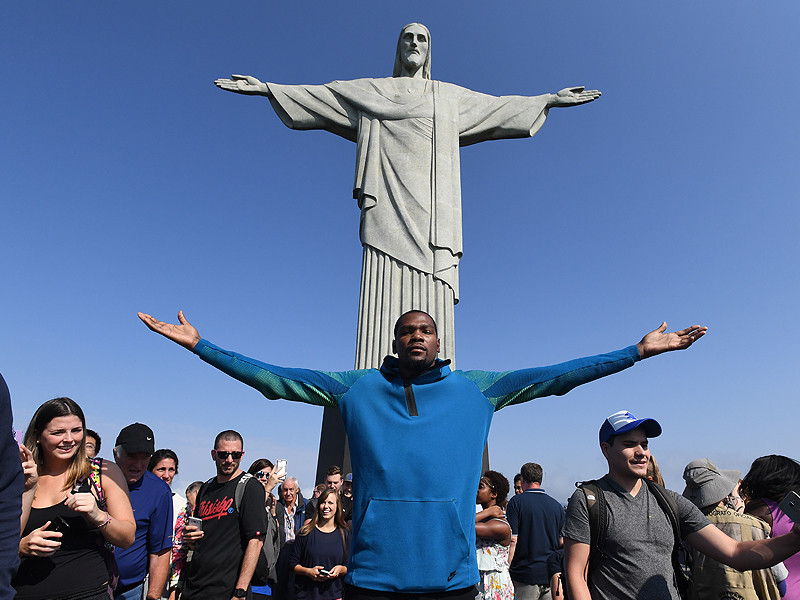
x,y
215,509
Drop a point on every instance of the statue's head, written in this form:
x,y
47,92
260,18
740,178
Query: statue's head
x,y
413,51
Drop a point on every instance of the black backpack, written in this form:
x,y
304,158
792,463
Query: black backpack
x,y
598,524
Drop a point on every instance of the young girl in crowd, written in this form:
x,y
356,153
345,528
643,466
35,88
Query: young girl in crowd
x,y
65,524
493,538
319,554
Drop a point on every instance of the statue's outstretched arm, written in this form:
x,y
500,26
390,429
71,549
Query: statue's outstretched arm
x,y
244,84
570,97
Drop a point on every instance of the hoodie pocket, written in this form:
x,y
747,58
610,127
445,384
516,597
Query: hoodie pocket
x,y
411,546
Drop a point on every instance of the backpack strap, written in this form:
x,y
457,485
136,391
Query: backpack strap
x,y
667,504
598,521
239,493
670,508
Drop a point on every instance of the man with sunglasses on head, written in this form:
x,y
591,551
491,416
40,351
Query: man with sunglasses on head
x,y
226,549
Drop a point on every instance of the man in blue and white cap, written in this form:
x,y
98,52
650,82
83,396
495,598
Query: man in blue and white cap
x,y
638,539
623,421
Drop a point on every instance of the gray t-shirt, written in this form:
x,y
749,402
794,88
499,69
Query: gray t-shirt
x,y
639,542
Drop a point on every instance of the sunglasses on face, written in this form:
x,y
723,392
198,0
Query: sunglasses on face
x,y
223,455
262,475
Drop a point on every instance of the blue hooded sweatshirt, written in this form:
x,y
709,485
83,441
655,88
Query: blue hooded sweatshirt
x,y
416,449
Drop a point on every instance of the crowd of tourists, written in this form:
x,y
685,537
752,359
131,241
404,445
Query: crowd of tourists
x,y
95,528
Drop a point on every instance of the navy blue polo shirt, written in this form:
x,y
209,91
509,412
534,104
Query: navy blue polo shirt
x,y
537,520
151,499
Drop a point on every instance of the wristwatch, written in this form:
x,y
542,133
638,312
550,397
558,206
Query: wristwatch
x,y
239,593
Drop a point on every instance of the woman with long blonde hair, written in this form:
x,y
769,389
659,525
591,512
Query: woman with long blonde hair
x,y
72,506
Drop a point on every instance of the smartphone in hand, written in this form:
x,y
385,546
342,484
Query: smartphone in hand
x,y
280,469
790,506
58,524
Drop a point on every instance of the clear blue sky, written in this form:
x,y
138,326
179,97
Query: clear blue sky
x,y
129,182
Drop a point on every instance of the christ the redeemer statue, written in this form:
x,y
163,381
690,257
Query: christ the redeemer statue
x,y
408,129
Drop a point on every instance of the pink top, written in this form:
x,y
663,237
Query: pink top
x,y
781,524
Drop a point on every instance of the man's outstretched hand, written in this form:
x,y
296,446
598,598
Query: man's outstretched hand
x,y
184,334
657,341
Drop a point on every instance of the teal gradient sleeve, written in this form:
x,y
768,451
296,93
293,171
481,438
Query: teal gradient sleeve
x,y
515,387
299,385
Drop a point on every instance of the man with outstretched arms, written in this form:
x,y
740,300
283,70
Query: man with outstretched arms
x,y
437,412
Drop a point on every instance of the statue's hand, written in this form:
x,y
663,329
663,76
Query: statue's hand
x,y
243,84
573,97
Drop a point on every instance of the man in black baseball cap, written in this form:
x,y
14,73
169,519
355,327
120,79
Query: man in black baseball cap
x,y
137,438
151,499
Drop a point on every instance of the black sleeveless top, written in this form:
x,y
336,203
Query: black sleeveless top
x,y
77,569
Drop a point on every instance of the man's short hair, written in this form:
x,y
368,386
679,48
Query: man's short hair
x,y
333,470
193,487
411,312
531,473
93,434
229,435
517,478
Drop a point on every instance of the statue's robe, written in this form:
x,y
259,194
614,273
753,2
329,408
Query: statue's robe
x,y
408,132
